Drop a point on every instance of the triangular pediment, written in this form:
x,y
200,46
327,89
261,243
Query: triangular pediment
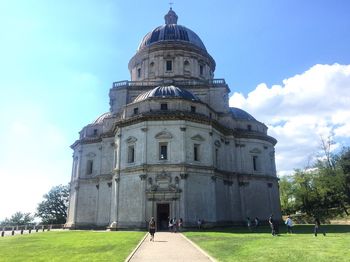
x,y
198,137
164,135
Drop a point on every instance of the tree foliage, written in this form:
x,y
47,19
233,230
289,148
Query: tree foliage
x,y
53,209
18,218
287,195
323,190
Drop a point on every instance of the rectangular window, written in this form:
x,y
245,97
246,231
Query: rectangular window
x,y
139,72
95,132
216,156
90,165
201,70
196,152
169,65
255,163
131,154
163,151
163,106
249,128
193,109
136,110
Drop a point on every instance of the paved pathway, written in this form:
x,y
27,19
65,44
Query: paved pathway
x,y
168,247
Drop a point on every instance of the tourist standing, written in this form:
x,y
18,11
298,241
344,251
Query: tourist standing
x,y
289,224
199,223
249,224
170,224
152,228
318,227
256,220
174,225
180,224
272,225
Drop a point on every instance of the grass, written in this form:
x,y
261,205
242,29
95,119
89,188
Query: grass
x,y
238,244
235,244
69,246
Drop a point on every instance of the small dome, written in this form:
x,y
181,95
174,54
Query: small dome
x,y
166,92
171,31
100,119
241,114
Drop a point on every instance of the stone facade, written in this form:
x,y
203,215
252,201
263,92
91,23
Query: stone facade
x,y
171,146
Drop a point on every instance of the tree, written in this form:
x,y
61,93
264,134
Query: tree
x,y
53,210
306,195
323,190
287,195
18,218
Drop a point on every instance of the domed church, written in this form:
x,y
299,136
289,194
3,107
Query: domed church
x,y
170,145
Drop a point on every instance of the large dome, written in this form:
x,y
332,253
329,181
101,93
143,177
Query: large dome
x,y
167,92
171,31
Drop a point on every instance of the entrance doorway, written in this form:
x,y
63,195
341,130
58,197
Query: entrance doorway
x,y
162,216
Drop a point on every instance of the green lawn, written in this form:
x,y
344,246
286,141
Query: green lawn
x,y
69,246
238,244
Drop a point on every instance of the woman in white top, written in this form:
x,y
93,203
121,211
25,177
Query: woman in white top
x,y
289,224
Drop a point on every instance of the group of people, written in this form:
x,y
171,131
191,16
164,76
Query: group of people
x,y
175,225
254,223
289,224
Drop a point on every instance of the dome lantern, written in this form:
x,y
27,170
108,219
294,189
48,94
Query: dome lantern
x,y
170,17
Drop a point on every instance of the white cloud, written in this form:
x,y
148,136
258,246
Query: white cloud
x,y
303,109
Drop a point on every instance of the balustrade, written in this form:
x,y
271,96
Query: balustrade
x,y
212,82
27,229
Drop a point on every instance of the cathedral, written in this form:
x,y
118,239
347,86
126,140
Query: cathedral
x,y
171,146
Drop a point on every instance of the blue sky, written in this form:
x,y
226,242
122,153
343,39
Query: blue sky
x,y
286,62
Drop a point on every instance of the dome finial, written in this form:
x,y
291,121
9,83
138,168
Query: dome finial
x,y
171,16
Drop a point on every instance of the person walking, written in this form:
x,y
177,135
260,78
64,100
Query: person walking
x,y
289,224
318,227
152,228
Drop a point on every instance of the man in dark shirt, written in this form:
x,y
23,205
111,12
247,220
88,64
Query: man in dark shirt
x,y
318,227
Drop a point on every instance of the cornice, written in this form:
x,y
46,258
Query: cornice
x,y
187,168
162,115
193,117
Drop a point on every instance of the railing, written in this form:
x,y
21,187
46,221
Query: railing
x,y
212,82
27,229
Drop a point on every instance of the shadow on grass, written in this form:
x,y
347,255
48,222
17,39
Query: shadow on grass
x,y
297,229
